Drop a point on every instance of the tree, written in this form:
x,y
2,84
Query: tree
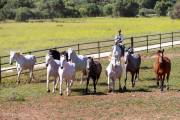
x,y
127,8
108,9
147,3
176,11
161,8
93,10
23,14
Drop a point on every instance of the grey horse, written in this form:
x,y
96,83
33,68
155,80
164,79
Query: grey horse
x,y
132,65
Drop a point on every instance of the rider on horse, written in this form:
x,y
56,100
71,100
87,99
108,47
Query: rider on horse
x,y
118,39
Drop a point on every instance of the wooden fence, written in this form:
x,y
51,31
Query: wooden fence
x,y
93,48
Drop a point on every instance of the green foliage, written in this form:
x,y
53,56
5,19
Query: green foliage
x,y
176,11
14,96
93,10
127,8
147,3
108,9
23,14
146,12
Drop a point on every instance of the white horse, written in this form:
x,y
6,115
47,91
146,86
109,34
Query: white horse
x,y
79,60
22,63
117,53
52,70
66,72
114,71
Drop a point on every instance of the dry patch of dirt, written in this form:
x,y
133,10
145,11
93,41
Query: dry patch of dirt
x,y
130,105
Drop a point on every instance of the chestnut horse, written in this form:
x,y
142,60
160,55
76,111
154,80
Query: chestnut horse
x,y
162,68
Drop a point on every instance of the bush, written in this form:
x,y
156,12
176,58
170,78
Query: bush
x,y
161,8
126,8
23,14
71,12
2,16
176,11
146,12
108,9
93,10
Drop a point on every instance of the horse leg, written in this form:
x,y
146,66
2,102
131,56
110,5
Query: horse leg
x,y
18,77
167,81
81,78
157,77
67,89
162,82
57,82
109,86
113,84
132,79
47,85
87,85
60,86
120,89
94,82
124,89
54,85
30,75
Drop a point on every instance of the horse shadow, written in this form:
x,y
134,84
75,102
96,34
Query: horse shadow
x,y
145,68
82,91
137,90
102,84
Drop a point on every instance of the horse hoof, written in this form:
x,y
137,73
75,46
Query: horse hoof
x,y
48,91
61,94
120,90
124,88
167,88
109,91
18,82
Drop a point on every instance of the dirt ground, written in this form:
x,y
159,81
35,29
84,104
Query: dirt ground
x,y
130,105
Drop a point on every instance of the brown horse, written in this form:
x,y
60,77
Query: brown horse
x,y
162,68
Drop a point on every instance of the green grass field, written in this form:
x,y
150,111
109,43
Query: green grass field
x,y
38,35
144,101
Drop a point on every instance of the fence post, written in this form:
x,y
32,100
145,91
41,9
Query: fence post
x,y
78,49
99,50
147,43
172,39
132,42
0,69
160,40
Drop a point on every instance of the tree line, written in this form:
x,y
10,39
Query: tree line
x,y
22,10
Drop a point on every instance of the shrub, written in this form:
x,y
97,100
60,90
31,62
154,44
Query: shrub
x,y
23,14
127,8
161,8
146,12
93,10
176,11
108,9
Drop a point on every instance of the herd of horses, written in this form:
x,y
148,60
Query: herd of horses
x,y
62,66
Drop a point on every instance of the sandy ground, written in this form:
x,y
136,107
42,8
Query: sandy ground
x,y
130,105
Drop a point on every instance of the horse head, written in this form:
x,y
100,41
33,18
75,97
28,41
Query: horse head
x,y
48,59
13,56
62,61
70,52
90,62
160,54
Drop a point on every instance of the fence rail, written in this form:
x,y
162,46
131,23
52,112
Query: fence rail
x,y
98,47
